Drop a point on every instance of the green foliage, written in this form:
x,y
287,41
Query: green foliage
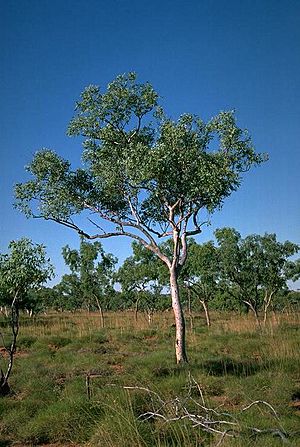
x,y
255,268
22,270
90,282
139,277
68,291
237,271
25,268
137,168
25,342
292,299
202,271
145,173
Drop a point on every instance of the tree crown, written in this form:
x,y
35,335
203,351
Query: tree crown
x,y
25,268
142,170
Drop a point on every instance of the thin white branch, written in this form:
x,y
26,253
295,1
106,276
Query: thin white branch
x,y
259,402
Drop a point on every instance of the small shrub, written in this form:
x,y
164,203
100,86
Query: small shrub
x,y
26,341
161,371
62,421
58,341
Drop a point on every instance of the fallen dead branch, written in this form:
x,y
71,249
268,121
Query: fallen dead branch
x,y
201,416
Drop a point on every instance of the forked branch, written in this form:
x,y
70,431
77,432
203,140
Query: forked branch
x,y
221,425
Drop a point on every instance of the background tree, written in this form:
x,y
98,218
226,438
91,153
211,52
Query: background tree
x,y
139,276
202,271
90,281
290,302
69,294
255,268
22,270
43,299
240,268
276,267
292,268
145,175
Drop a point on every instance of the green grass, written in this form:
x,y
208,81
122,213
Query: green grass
x,y
233,363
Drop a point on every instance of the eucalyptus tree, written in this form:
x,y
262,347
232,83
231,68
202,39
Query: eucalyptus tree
x,y
277,268
292,269
92,274
22,270
255,268
42,299
202,271
146,175
68,293
140,275
240,268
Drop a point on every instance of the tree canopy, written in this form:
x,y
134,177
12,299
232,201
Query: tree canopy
x,y
24,268
140,172
256,267
91,278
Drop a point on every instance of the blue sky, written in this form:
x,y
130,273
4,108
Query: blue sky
x,y
201,56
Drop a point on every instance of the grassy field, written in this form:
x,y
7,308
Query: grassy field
x,y
232,364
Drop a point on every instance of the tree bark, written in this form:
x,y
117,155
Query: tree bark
x,y
149,313
190,308
207,316
100,311
267,302
136,309
4,386
11,350
180,349
254,310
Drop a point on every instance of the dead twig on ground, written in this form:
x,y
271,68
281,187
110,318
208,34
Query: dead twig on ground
x,y
203,417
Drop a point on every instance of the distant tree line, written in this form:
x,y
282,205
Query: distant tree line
x,y
248,274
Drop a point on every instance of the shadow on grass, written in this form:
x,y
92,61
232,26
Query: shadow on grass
x,y
215,367
228,366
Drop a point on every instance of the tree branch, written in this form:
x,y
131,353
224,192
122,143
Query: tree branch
x,y
152,246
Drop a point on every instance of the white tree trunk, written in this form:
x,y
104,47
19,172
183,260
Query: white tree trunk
x,y
100,311
190,309
136,309
149,316
252,308
180,350
207,316
267,302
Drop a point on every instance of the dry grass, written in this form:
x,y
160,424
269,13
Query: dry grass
x,y
84,323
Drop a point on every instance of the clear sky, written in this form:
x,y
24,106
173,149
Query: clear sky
x,y
202,56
